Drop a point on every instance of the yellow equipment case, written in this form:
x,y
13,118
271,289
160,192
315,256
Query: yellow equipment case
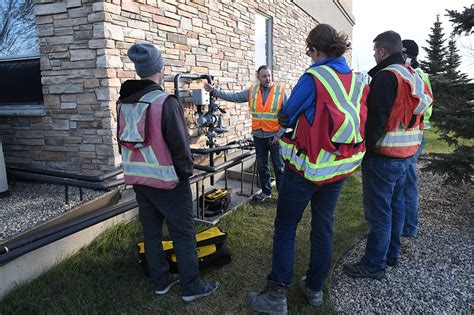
x,y
216,201
211,245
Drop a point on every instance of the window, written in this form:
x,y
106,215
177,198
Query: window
x,y
20,78
263,41
20,75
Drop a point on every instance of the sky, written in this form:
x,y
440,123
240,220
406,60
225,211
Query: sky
x,y
412,19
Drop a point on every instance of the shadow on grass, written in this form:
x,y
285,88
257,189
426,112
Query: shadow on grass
x,y
106,278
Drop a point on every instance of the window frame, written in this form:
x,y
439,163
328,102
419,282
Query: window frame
x,y
268,38
27,108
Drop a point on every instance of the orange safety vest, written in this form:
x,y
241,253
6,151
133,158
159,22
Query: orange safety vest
x,y
265,116
402,135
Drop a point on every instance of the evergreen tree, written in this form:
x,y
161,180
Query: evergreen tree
x,y
436,50
453,61
452,111
463,22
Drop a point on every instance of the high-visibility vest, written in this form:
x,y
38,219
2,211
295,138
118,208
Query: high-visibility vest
x,y
265,116
146,158
404,130
332,146
429,110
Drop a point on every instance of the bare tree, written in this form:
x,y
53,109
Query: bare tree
x,y
17,28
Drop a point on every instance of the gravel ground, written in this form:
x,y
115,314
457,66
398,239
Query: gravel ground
x,y
435,270
33,203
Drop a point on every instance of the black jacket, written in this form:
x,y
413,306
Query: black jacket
x,y
383,91
173,124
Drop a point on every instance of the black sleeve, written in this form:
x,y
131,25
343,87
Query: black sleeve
x,y
175,133
383,91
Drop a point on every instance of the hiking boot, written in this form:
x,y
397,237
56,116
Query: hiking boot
x,y
172,280
411,235
315,298
261,197
361,270
271,301
392,262
205,289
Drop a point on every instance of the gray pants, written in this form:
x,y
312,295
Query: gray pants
x,y
156,205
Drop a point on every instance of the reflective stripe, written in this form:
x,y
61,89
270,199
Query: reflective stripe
x,y
264,116
319,172
400,138
164,173
254,95
429,110
149,155
347,103
417,85
134,113
275,101
425,78
325,156
126,154
277,95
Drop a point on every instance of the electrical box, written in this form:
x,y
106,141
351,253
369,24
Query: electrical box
x,y
200,97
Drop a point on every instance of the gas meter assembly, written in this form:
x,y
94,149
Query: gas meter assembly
x,y
213,202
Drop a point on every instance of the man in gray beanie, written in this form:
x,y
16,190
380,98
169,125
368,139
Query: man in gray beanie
x,y
157,161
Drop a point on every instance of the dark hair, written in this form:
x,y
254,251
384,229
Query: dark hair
x,y
262,67
389,40
326,39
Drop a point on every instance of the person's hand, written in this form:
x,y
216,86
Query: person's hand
x,y
283,119
208,87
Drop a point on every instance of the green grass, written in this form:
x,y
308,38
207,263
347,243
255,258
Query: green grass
x,y
105,277
435,145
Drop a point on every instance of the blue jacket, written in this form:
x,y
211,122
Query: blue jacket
x,y
303,96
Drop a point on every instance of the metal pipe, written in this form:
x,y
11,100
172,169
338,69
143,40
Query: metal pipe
x,y
192,77
81,213
11,250
220,167
218,149
12,253
65,181
86,178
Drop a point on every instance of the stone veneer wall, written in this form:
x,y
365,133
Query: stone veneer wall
x,y
84,60
76,132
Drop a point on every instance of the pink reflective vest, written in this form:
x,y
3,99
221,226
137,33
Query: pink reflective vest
x,y
146,158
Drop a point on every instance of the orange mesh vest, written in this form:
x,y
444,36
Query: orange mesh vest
x,y
265,116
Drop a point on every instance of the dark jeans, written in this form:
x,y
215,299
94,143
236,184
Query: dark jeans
x,y
262,147
411,195
383,180
295,193
156,205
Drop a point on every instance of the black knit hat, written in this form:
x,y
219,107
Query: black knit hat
x,y
410,47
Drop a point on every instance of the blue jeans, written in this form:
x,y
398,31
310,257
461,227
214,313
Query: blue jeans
x,y
383,180
262,147
295,193
410,227
175,205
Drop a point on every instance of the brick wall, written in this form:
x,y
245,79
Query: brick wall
x,y
83,48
